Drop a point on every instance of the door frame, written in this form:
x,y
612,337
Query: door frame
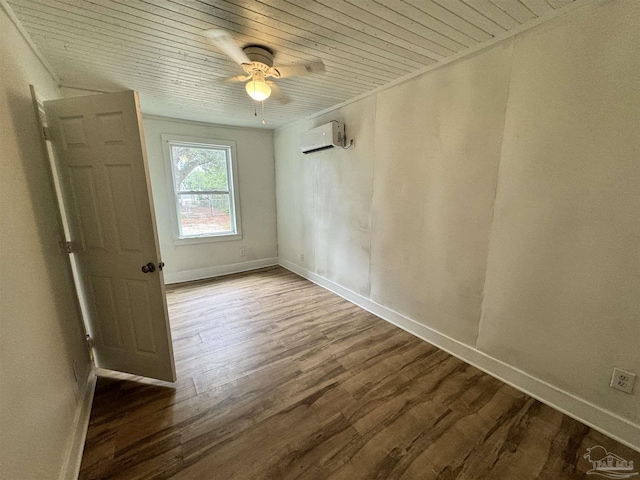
x,y
62,237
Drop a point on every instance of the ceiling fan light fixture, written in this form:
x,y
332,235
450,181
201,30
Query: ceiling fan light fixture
x,y
258,90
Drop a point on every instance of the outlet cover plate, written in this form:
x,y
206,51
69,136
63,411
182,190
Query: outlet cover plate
x,y
622,380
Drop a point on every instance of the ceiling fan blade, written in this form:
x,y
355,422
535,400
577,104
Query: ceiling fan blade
x,y
236,79
225,43
277,94
285,71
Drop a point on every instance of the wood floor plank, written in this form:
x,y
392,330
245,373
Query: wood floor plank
x,y
281,379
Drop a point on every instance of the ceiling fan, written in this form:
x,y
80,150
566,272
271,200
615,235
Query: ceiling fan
x,y
257,62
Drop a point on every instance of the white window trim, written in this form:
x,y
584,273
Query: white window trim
x,y
167,139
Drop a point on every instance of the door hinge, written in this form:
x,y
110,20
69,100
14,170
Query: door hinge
x,y
68,247
89,341
46,133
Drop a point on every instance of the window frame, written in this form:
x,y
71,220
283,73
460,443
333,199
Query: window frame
x,y
234,197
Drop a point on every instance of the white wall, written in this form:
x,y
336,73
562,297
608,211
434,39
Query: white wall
x,y
436,168
40,330
254,149
491,206
564,260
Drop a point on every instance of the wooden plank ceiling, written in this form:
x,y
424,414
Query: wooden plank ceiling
x,y
157,48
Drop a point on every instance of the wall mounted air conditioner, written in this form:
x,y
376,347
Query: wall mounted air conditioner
x,y
325,136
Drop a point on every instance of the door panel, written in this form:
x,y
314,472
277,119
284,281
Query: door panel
x,y
105,186
83,190
127,222
106,311
140,306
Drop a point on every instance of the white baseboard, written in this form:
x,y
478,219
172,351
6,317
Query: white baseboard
x,y
201,273
596,417
71,468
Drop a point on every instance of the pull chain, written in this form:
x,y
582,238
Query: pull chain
x,y
263,122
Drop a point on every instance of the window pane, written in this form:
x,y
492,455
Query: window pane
x,y
202,214
199,168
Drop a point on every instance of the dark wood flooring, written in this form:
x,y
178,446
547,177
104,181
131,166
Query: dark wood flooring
x,y
281,379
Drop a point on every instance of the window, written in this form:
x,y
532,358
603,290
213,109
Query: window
x,y
204,188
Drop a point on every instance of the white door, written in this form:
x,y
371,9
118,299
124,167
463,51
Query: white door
x,y
101,161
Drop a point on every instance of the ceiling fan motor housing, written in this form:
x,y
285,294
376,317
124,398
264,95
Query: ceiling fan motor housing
x,y
259,55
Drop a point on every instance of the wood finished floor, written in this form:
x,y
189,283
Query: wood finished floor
x,y
281,379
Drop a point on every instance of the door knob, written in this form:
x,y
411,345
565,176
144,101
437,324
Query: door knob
x,y
148,268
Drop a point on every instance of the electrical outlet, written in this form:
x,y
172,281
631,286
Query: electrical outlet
x,y
622,380
243,252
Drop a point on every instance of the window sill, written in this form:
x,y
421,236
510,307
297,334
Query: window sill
x,y
206,239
